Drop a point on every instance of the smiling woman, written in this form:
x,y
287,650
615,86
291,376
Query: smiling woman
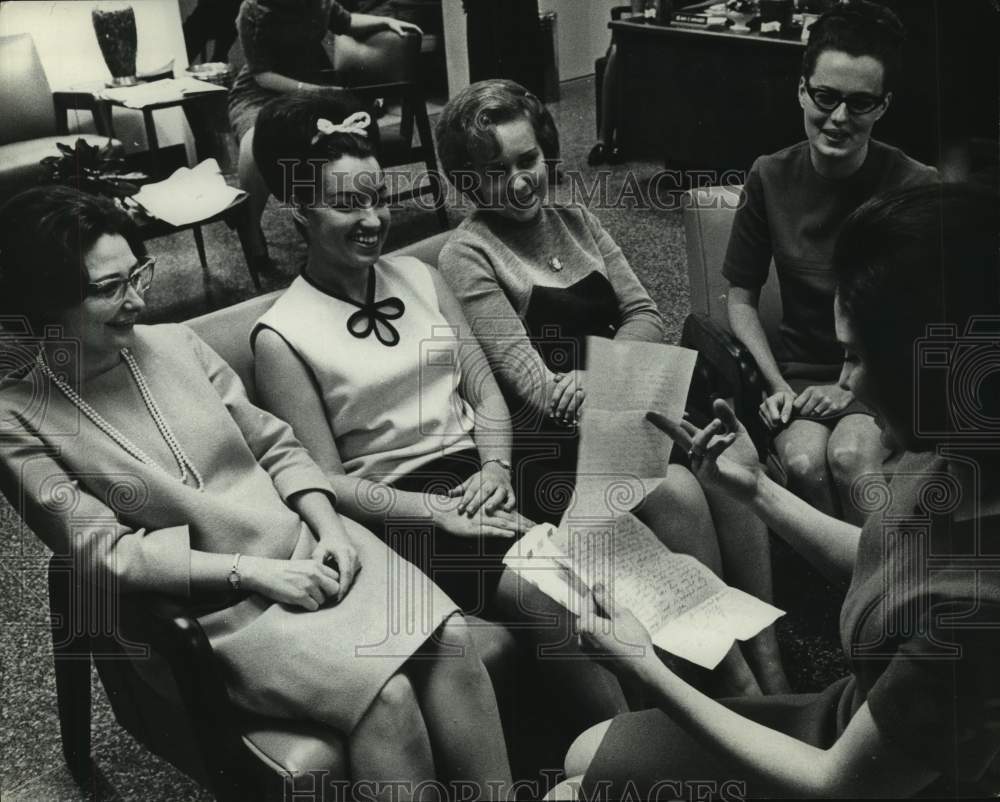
x,y
148,466
377,349
793,205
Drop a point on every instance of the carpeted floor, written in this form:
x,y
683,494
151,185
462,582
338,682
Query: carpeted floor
x,y
31,764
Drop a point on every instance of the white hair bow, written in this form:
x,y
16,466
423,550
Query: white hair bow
x,y
357,123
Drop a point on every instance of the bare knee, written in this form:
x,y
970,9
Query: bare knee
x,y
806,468
846,461
677,500
392,726
584,748
851,454
395,711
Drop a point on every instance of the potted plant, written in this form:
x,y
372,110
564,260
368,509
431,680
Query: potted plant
x,y
740,12
97,170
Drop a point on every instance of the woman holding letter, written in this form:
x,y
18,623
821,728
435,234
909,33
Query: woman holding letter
x,y
536,278
917,273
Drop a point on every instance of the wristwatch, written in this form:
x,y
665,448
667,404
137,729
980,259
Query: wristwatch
x,y
234,579
499,461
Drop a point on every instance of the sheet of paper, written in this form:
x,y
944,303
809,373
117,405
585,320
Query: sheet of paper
x,y
639,572
622,455
162,91
189,195
536,560
705,633
687,609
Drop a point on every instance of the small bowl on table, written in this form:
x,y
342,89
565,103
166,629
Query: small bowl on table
x,y
215,72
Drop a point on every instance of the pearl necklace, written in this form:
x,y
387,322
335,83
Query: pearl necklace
x,y
182,459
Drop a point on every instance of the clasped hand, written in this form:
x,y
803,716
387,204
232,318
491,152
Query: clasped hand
x,y
498,523
308,584
567,397
821,399
489,489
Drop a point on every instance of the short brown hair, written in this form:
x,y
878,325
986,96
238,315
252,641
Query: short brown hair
x,y
466,131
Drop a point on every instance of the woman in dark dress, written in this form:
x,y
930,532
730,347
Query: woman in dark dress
x,y
917,274
283,44
793,204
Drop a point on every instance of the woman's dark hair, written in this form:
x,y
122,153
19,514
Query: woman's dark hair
x,y
288,145
918,280
858,28
46,234
466,131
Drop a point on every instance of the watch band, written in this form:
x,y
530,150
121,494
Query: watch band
x,y
499,461
234,578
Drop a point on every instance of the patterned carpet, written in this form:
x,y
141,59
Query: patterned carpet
x,y
32,767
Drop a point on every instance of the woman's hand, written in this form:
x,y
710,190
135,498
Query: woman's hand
x,y
488,489
302,583
498,523
567,397
616,633
776,410
338,552
738,474
401,28
822,399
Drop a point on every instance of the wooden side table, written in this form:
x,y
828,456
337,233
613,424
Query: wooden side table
x,y
236,216
206,114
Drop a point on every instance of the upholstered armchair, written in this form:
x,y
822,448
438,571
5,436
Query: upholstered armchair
x,y
725,367
32,121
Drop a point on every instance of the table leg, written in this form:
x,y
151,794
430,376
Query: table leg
x,y
153,142
199,241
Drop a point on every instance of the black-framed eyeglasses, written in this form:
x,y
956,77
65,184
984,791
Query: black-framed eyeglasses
x,y
829,100
113,290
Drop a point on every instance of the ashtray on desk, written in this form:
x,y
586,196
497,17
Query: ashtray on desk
x,y
215,72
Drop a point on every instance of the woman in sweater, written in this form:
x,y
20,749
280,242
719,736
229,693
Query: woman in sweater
x,y
535,279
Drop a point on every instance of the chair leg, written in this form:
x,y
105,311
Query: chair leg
x,y
71,653
243,224
440,206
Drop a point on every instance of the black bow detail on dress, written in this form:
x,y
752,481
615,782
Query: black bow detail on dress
x,y
375,317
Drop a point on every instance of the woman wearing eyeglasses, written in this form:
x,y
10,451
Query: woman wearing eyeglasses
x,y
135,450
793,205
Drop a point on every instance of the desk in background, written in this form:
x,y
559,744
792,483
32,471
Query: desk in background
x,y
705,99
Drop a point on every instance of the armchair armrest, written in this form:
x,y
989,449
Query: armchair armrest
x,y
725,369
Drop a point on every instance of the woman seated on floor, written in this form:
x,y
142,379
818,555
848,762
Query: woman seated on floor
x,y
149,466
793,204
918,714
536,278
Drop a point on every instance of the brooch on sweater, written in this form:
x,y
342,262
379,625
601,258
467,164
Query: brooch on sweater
x,y
555,263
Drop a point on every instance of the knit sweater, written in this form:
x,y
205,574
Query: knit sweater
x,y
496,267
